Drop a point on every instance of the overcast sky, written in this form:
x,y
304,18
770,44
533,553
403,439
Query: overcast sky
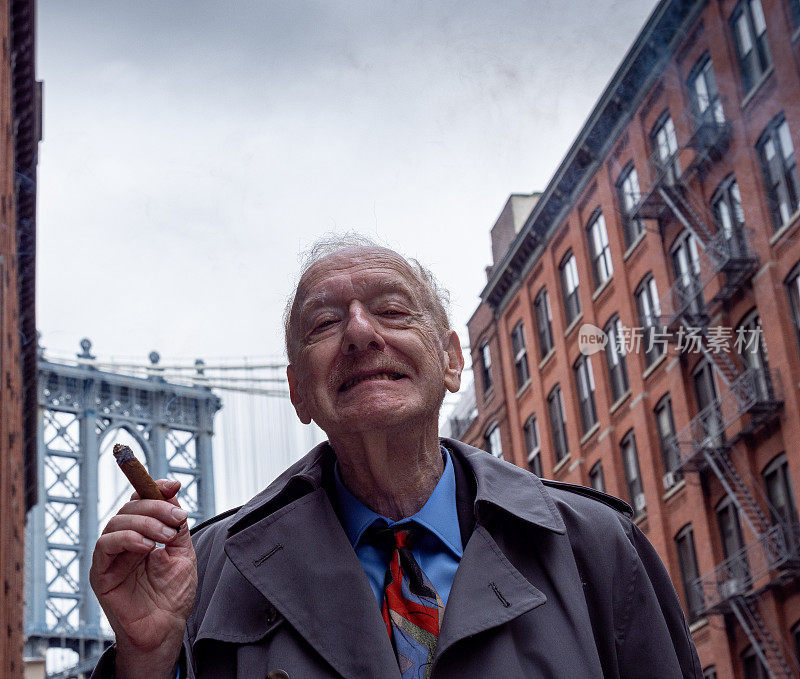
x,y
193,148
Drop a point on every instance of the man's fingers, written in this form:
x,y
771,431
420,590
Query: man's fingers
x,y
146,526
112,544
167,512
168,487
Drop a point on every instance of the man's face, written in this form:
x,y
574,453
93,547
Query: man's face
x,y
366,353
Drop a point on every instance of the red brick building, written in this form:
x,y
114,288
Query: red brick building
x,y
674,222
20,131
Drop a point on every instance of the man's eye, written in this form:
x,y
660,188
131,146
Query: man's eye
x,y
324,324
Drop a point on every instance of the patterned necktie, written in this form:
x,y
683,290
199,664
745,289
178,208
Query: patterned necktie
x,y
412,609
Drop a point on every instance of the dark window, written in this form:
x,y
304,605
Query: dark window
x,y
615,359
493,442
750,36
794,8
569,287
599,249
629,197
688,289
596,478
649,319
670,455
729,217
779,491
730,529
778,164
584,380
753,352
706,105
558,422
544,322
664,143
531,429
796,639
793,288
486,366
687,559
520,355
633,476
753,669
708,432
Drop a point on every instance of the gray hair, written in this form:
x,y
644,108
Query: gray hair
x,y
436,297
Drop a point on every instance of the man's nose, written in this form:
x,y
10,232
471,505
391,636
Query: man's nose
x,y
360,331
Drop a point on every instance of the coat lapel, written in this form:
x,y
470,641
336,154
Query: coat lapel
x,y
299,558
487,591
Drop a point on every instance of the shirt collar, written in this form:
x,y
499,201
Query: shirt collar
x,y
439,514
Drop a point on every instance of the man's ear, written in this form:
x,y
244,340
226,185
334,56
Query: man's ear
x,y
454,362
296,396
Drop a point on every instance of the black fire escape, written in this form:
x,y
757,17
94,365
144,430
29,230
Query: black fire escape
x,y
750,400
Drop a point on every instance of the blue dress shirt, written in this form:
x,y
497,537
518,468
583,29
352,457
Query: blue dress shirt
x,y
438,552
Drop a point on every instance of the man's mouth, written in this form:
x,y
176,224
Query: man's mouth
x,y
353,381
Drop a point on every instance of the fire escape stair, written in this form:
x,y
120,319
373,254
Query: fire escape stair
x,y
772,654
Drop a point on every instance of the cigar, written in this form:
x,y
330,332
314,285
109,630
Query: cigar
x,y
141,481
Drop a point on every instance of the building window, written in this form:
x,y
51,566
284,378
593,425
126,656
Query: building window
x,y
584,380
494,444
793,288
796,639
629,196
633,477
706,104
779,491
558,423
794,8
649,319
753,669
750,36
670,454
486,367
778,164
531,430
596,478
544,322
664,143
569,287
730,530
520,355
688,297
599,249
687,560
615,359
708,430
729,217
753,352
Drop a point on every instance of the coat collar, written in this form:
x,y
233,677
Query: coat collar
x,y
288,544
498,484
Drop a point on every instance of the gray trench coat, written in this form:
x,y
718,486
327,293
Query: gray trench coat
x,y
555,582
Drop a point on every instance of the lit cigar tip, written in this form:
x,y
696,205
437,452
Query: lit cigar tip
x,y
122,452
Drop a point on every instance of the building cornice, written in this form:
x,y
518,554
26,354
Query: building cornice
x,y
645,59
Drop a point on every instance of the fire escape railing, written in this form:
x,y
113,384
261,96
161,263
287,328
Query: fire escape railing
x,y
752,397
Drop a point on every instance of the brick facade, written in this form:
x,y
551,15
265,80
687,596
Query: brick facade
x,y
655,78
19,129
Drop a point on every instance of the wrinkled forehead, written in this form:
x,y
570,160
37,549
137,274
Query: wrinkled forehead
x,y
358,271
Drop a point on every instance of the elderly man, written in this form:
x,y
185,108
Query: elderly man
x,y
386,551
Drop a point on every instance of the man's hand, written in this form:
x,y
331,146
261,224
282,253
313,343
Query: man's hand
x,y
147,593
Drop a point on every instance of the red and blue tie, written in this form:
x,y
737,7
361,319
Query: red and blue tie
x,y
412,609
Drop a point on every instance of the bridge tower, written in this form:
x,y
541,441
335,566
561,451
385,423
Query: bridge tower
x,y
83,411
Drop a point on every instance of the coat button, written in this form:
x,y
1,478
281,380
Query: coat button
x,y
272,615
277,674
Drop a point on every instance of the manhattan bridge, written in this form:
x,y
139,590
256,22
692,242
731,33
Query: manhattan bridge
x,y
224,428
